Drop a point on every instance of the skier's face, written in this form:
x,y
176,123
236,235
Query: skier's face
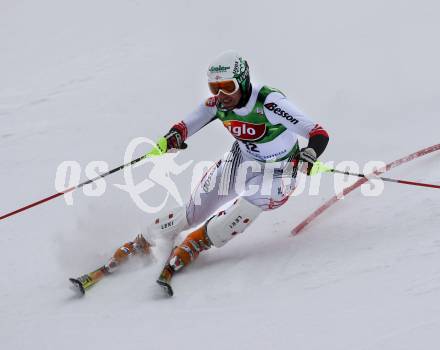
x,y
229,101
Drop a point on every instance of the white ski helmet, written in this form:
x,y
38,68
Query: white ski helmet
x,y
230,65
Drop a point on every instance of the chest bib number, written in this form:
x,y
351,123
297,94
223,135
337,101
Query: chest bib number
x,y
252,147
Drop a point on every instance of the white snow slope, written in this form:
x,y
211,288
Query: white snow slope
x,y
80,79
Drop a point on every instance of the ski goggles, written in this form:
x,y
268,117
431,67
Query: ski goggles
x,y
228,87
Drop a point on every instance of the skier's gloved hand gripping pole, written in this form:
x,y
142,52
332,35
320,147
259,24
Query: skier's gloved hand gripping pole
x,y
175,140
319,167
172,140
316,146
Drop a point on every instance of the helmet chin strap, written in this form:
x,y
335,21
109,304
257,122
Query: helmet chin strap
x,y
245,96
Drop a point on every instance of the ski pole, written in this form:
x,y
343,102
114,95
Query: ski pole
x,y
161,148
319,167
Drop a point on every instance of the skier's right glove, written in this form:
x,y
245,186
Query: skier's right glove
x,y
308,156
175,140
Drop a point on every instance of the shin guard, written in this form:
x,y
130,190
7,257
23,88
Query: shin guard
x,y
229,222
169,225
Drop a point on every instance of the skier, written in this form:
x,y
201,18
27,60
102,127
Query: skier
x,y
266,127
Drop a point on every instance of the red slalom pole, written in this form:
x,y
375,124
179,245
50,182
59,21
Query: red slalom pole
x,y
334,199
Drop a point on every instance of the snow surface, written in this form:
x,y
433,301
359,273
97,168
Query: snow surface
x,y
80,79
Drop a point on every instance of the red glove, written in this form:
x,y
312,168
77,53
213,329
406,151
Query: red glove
x,y
175,140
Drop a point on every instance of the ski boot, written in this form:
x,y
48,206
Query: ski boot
x,y
182,255
84,282
139,246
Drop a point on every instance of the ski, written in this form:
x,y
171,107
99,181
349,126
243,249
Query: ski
x,y
166,287
164,280
77,285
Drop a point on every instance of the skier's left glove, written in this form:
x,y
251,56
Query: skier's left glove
x,y
175,140
308,156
